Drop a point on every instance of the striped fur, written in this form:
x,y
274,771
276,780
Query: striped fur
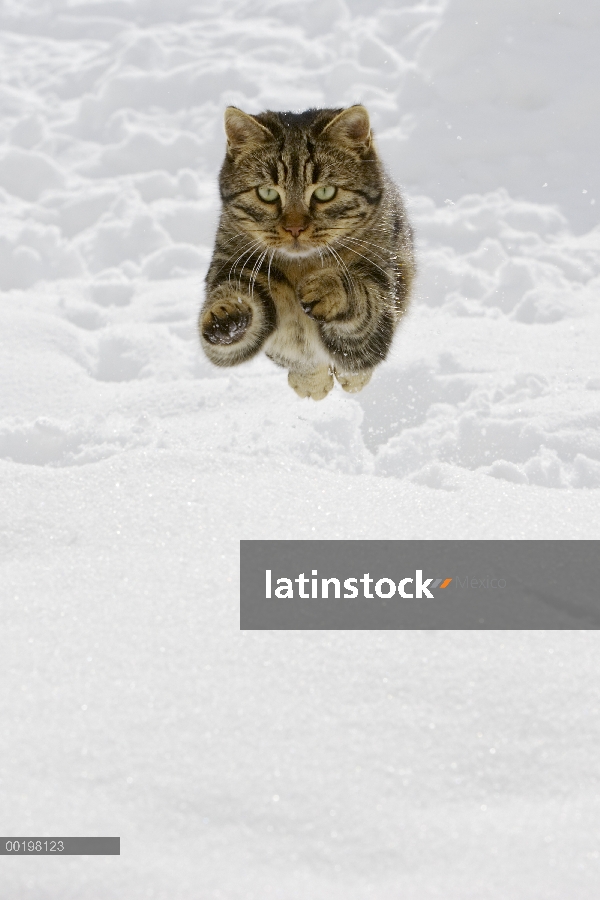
x,y
319,285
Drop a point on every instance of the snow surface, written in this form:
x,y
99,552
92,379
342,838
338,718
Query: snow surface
x,y
299,766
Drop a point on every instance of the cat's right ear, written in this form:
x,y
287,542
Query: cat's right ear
x,y
243,130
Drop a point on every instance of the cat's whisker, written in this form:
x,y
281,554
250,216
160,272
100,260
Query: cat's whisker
x,y
255,271
269,269
348,235
245,264
352,250
368,245
254,246
249,243
220,269
345,269
235,237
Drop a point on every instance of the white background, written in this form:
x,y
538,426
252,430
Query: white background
x,y
274,766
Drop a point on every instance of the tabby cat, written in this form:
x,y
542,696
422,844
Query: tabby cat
x,y
314,254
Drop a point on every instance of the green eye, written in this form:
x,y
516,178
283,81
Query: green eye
x,y
268,194
325,192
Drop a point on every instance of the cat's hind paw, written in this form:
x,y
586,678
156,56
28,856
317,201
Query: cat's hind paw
x,y
355,382
315,384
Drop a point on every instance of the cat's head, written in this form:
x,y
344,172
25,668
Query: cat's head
x,y
300,182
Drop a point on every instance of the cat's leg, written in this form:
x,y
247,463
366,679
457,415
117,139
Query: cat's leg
x,y
315,384
234,324
323,296
357,314
353,382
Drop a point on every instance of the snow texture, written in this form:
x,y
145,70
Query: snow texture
x,y
274,766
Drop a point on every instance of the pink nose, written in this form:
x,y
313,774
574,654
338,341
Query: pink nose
x,y
295,229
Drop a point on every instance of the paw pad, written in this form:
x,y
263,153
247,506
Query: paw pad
x,y
226,325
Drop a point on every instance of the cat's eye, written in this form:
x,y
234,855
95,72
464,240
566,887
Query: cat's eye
x,y
325,192
267,193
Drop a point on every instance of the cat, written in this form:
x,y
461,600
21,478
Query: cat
x,y
314,260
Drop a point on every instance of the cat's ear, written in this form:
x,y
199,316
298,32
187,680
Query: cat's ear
x,y
243,130
351,128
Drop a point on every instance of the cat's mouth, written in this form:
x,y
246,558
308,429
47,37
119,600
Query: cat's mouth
x,y
299,246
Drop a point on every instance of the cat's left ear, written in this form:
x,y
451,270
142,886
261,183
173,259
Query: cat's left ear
x,y
351,127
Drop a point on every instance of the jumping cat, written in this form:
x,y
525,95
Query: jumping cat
x,y
313,259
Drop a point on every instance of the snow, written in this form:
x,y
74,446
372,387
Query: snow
x,y
272,765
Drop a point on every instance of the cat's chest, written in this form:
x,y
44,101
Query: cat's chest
x,y
295,339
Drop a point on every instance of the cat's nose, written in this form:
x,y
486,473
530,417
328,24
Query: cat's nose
x,y
295,229
295,220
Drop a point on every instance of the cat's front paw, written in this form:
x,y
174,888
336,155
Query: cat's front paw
x,y
226,321
323,297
